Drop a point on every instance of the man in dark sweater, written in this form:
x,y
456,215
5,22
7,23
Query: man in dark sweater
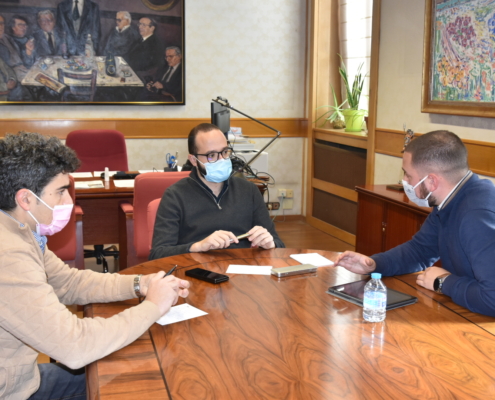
x,y
460,231
210,208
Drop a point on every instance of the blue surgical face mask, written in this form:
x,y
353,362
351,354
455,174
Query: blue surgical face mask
x,y
218,171
411,193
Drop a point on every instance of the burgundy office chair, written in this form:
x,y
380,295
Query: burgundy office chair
x,y
135,243
97,149
68,243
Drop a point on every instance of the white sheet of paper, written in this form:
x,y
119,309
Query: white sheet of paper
x,y
82,174
124,183
250,269
143,171
313,259
88,184
180,313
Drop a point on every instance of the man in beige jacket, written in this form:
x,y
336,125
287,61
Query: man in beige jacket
x,y
35,285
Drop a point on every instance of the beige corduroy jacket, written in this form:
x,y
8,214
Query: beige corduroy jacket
x,y
33,318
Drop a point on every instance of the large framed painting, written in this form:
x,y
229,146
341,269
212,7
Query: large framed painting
x,y
92,52
459,58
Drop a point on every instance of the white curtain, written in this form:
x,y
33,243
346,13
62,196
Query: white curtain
x,y
355,18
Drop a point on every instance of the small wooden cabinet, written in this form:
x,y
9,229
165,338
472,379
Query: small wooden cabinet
x,y
385,219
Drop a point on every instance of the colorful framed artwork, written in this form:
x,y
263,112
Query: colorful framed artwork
x,y
459,60
92,52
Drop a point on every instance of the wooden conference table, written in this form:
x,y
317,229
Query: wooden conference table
x,y
270,338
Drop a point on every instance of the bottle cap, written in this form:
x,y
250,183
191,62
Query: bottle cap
x,y
376,275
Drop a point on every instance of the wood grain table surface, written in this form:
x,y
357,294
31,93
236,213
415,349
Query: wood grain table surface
x,y
270,338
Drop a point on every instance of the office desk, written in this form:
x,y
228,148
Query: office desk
x,y
101,211
386,218
265,338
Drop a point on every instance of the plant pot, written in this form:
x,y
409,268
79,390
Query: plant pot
x,y
353,120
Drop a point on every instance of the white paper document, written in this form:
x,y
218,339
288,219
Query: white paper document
x,y
313,259
250,269
180,313
88,185
144,171
82,174
124,183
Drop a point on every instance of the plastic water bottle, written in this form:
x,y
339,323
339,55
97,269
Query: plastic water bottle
x,y
375,299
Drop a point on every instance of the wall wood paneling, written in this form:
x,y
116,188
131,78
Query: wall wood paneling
x,y
481,155
169,128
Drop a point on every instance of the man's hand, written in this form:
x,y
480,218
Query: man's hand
x,y
260,237
429,275
355,262
30,46
164,292
11,84
217,240
158,85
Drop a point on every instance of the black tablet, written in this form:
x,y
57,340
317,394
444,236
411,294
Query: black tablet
x,y
354,293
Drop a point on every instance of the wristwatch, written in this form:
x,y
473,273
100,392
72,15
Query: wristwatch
x,y
137,285
438,283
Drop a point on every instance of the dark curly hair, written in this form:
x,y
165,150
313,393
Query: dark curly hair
x,y
31,161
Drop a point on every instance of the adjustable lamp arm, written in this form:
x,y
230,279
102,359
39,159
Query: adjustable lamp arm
x,y
224,102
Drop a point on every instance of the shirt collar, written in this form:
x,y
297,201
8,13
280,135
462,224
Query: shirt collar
x,y
40,239
454,191
123,29
195,176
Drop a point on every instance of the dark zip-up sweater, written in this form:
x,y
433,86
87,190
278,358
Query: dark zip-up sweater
x,y
190,212
462,235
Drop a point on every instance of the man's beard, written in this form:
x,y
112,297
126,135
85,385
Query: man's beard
x,y
432,200
201,169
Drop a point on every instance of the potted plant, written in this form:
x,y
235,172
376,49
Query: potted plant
x,y
354,117
336,117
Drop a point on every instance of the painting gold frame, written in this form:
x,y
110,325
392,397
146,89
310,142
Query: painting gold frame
x,y
478,108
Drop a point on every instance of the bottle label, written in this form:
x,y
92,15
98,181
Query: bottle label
x,y
375,300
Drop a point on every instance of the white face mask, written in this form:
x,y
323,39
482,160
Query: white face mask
x,y
411,193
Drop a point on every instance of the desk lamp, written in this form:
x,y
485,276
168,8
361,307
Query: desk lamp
x,y
225,103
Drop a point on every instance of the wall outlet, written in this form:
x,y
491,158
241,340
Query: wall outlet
x,y
290,194
288,204
273,205
282,193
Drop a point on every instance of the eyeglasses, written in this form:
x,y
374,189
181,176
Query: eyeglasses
x,y
141,24
118,20
212,156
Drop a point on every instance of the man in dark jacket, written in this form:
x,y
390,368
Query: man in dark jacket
x,y
78,19
123,38
460,231
146,57
168,85
48,40
210,208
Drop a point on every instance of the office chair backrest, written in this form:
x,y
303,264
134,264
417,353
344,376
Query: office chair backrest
x,y
152,210
86,86
99,148
148,187
63,243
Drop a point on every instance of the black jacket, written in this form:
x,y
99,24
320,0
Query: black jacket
x,y
189,212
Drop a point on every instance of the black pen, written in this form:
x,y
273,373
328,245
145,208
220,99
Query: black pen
x,y
172,270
